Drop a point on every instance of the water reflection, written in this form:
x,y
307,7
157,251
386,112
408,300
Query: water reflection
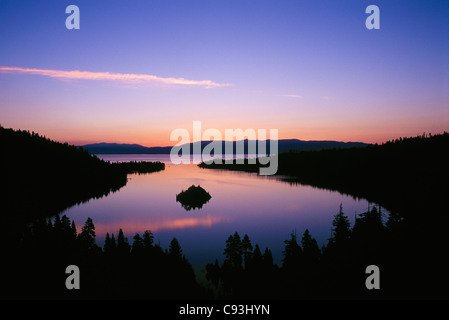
x,y
265,208
133,227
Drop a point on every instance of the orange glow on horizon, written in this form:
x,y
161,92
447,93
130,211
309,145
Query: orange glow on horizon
x,y
159,137
161,142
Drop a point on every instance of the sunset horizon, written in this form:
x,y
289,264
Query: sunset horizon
x,y
224,157
165,142
311,70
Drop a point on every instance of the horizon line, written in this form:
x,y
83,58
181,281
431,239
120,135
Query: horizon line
x,y
168,146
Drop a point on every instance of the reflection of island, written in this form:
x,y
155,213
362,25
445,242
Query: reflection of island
x,y
194,197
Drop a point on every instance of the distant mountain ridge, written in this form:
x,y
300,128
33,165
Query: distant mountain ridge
x,y
284,145
124,148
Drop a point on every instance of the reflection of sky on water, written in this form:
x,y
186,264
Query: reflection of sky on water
x,y
264,208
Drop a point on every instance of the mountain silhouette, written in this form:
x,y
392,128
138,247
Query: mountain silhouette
x,y
123,148
284,145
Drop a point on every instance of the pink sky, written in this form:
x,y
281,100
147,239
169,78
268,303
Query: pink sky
x,y
310,69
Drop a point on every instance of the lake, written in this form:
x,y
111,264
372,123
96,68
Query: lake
x,y
265,208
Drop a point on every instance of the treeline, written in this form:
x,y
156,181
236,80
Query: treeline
x,y
42,177
337,270
143,270
140,167
390,174
410,178
35,267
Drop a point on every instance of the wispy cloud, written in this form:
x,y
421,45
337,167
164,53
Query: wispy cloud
x,y
107,76
291,96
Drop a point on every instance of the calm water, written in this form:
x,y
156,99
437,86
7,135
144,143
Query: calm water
x,y
265,208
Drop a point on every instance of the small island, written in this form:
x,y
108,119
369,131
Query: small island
x,y
194,197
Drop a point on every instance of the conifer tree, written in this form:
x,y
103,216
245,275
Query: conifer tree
x,y
233,250
123,246
137,246
292,252
175,250
87,236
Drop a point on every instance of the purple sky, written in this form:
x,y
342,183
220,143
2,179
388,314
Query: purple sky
x,y
136,70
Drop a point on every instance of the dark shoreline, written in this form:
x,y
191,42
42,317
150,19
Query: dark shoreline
x,y
409,177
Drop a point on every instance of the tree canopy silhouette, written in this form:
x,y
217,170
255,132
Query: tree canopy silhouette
x,y
193,198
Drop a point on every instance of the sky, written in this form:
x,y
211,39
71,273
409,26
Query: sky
x,y
137,70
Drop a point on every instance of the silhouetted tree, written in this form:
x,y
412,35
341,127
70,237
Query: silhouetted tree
x,y
311,251
233,250
368,234
247,249
73,229
341,231
369,224
109,244
175,250
138,246
292,253
65,223
87,236
123,247
57,225
256,259
148,239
